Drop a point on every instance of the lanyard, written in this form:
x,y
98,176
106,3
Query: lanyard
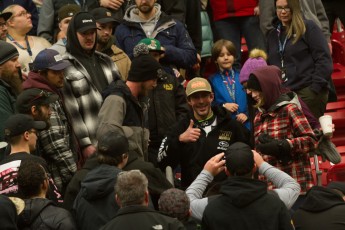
x,y
230,80
281,52
28,48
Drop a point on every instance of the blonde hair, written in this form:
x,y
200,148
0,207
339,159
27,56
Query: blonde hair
x,y
297,26
257,53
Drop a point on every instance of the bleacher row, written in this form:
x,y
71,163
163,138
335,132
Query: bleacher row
x,y
328,171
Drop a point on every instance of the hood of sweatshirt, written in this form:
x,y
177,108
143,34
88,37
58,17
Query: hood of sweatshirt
x,y
132,14
99,182
33,207
37,81
320,199
242,191
270,81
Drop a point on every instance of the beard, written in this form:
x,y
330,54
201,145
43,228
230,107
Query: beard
x,y
14,80
146,8
40,116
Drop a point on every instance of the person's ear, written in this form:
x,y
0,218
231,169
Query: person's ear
x,y
118,200
34,110
226,171
212,96
147,198
26,135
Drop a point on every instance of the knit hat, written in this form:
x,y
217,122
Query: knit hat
x,y
198,84
253,83
338,185
114,142
20,123
144,68
50,59
68,11
239,159
103,15
152,44
5,15
7,52
257,58
34,96
175,203
84,21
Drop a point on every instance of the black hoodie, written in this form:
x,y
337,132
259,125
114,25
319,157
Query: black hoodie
x,y
88,60
245,204
323,209
95,204
41,213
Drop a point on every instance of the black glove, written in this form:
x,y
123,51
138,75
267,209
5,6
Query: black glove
x,y
278,148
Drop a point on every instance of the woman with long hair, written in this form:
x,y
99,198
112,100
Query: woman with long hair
x,y
298,47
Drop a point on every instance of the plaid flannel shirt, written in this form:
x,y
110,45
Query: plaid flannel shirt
x,y
56,148
288,122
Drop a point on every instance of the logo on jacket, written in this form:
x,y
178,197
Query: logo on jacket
x,y
223,145
157,227
225,135
168,86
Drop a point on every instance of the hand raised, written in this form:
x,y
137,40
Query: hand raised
x,y
215,165
191,134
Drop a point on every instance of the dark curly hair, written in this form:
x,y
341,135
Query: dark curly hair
x,y
31,176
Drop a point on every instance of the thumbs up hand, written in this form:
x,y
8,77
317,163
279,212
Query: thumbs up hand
x,y
191,134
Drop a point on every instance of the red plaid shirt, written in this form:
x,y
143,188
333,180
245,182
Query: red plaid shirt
x,y
288,122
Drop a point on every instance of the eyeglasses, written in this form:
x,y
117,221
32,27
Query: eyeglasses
x,y
40,95
280,9
23,13
2,25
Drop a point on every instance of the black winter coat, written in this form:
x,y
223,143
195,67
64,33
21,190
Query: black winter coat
x,y
192,156
322,209
42,214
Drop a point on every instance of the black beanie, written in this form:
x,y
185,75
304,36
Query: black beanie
x,y
253,83
7,52
144,68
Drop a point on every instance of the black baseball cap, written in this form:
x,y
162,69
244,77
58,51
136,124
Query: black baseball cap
x,y
34,96
114,142
6,15
20,123
67,11
239,159
84,21
103,15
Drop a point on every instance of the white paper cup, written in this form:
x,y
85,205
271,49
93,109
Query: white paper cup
x,y
326,125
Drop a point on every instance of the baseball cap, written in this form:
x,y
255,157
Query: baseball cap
x,y
114,142
50,59
34,96
103,15
152,44
19,123
198,84
6,15
84,21
239,159
68,11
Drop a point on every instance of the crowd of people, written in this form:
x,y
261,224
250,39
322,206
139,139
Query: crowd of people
x,y
109,119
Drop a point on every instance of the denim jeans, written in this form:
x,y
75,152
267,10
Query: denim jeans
x,y
234,28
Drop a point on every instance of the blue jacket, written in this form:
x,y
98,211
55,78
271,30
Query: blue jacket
x,y
179,48
221,94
